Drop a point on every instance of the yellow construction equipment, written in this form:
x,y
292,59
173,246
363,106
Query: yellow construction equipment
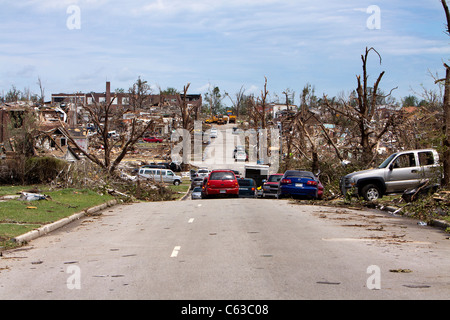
x,y
231,117
212,119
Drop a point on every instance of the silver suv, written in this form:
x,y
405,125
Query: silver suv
x,y
399,172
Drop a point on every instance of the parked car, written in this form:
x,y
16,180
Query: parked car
x,y
237,174
196,193
153,139
320,191
192,174
241,156
202,173
221,182
399,172
196,182
298,183
247,188
155,166
204,184
237,149
270,186
157,174
213,133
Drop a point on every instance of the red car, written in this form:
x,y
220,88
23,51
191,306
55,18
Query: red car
x,y
320,191
153,139
270,186
221,182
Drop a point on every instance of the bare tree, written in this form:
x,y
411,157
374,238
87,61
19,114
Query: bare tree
x,y
42,91
261,105
185,109
139,94
446,126
104,116
238,102
361,109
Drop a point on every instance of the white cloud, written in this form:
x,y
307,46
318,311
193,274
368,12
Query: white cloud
x,y
229,43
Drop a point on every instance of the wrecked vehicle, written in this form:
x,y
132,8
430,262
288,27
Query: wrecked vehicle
x,y
399,172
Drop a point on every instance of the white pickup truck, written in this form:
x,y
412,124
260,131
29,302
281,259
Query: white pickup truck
x,y
399,172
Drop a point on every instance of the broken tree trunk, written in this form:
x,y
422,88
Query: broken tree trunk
x,y
446,128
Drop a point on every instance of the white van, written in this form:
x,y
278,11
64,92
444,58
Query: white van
x,y
157,174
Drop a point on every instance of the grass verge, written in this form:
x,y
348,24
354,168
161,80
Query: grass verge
x,y
18,217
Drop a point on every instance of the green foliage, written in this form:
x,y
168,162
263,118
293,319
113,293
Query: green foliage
x,y
32,170
42,169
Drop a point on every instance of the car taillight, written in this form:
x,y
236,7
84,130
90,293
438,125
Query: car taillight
x,y
285,181
312,183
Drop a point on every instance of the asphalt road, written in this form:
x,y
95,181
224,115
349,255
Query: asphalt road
x,y
232,249
238,249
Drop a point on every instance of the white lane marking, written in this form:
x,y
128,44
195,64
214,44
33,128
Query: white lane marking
x,y
191,220
175,252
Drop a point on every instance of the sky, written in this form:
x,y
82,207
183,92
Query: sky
x,y
78,45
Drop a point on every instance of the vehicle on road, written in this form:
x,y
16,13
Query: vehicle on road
x,y
153,139
159,175
203,173
196,193
399,172
259,173
296,183
241,156
221,183
320,191
270,186
237,149
196,182
247,188
213,133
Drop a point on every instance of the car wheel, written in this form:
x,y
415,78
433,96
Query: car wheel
x,y
176,182
371,192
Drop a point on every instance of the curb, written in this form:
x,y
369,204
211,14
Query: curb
x,y
186,195
31,235
434,222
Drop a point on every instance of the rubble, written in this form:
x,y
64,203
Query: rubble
x,y
26,196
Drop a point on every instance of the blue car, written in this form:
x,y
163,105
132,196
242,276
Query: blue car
x,y
295,183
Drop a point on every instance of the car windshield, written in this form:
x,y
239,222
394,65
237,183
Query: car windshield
x,y
387,161
302,174
275,178
222,175
197,189
245,182
202,171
